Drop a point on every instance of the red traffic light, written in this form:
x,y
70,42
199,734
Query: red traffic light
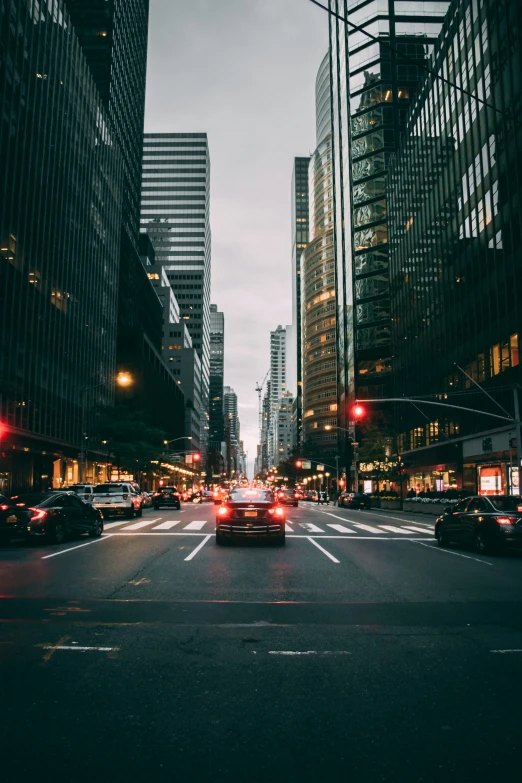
x,y
298,463
358,411
196,457
2,428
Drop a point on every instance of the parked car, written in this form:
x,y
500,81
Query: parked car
x,y
84,491
288,497
118,499
166,496
354,500
488,523
51,516
250,513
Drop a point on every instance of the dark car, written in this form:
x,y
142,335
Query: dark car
x,y
354,500
250,513
488,523
166,496
288,497
52,516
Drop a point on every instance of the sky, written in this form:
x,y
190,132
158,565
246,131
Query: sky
x,y
243,71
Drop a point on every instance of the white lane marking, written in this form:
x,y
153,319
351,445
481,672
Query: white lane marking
x,y
449,552
368,528
166,525
310,527
418,529
332,558
393,529
383,537
114,524
307,652
71,548
505,651
197,525
288,529
78,648
341,528
138,525
401,519
199,546
336,516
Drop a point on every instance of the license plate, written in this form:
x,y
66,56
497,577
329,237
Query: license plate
x,y
251,513
12,518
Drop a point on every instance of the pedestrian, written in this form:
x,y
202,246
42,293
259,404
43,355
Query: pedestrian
x,y
411,493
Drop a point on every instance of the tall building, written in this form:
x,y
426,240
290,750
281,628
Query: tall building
x,y
232,429
60,217
299,242
217,371
455,228
113,35
371,92
318,285
283,428
175,204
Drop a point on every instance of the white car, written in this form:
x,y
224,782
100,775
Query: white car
x,y
84,491
118,499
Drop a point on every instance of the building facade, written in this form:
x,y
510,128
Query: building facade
x,y
283,428
299,242
60,215
318,285
175,204
217,372
455,227
372,86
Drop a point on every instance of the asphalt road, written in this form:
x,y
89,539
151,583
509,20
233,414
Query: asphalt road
x,y
360,651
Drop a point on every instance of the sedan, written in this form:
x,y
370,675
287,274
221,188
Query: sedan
x,y
52,516
166,496
354,500
250,513
288,497
488,523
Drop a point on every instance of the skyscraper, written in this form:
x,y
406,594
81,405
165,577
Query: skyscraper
x,y
318,284
175,214
371,91
299,242
217,370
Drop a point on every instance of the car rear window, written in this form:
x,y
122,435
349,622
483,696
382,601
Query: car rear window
x,y
110,489
168,490
251,494
506,503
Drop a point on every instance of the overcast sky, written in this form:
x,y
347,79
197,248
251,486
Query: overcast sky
x,y
242,71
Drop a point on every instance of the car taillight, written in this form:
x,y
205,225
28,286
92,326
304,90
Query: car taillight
x,y
125,497
223,511
279,511
4,507
505,521
38,515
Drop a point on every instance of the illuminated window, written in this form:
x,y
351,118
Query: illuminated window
x,y
495,359
513,345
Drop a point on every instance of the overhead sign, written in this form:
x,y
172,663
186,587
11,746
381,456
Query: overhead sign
x,y
176,458
320,467
307,465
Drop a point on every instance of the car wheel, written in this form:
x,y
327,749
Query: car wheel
x,y
280,541
220,540
442,536
97,529
178,507
139,512
480,544
59,533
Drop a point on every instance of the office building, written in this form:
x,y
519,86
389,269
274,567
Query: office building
x,y
217,370
299,242
232,429
371,92
454,228
283,428
318,286
60,217
175,214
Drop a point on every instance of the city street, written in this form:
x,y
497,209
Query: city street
x,y
359,651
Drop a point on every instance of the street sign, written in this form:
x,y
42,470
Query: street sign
x,y
176,458
320,467
307,465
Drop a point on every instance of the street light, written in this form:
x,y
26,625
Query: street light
x,y
183,437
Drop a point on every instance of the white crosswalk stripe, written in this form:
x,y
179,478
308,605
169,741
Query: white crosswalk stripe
x,y
139,525
368,528
341,528
288,529
393,529
166,525
428,531
311,528
197,525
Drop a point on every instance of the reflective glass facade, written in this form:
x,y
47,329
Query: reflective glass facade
x,y
371,92
217,372
299,242
175,204
455,223
60,217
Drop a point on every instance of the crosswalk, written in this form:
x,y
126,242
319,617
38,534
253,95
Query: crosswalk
x,y
292,527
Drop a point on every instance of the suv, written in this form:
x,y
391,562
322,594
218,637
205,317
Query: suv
x,y
118,499
166,496
84,491
288,497
354,500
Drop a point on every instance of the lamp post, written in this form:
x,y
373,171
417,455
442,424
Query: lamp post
x,y
355,455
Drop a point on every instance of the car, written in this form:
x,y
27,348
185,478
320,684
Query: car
x,y
84,491
51,516
146,498
207,496
288,497
489,523
118,498
166,496
354,500
250,513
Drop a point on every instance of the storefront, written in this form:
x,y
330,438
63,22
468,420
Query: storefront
x,y
489,463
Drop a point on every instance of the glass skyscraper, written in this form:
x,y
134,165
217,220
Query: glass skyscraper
x,y
299,242
371,92
60,217
217,372
175,204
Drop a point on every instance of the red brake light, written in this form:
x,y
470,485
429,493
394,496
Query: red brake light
x,y
4,507
39,514
505,521
222,511
279,511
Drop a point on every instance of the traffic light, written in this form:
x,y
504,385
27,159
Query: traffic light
x,y
2,428
358,412
299,463
196,457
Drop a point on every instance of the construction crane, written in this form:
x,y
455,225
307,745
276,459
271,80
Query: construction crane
x,y
259,390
